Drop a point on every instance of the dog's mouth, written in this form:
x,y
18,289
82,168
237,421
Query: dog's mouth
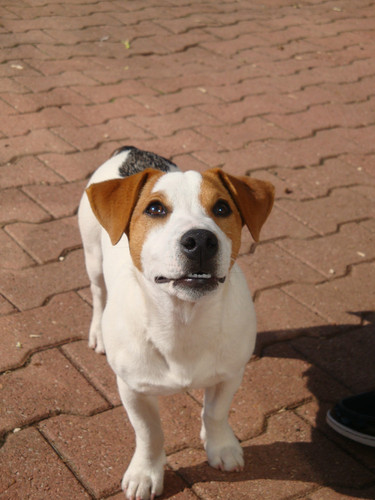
x,y
198,280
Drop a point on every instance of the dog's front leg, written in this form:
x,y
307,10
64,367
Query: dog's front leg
x,y
223,449
144,476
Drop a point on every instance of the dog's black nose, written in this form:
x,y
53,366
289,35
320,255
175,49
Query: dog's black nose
x,y
199,245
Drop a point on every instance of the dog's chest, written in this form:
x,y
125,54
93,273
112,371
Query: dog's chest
x,y
185,356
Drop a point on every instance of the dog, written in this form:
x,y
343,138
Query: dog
x,y
171,308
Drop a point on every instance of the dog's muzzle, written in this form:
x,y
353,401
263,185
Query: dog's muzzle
x,y
200,247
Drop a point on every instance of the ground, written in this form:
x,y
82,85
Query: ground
x,y
276,89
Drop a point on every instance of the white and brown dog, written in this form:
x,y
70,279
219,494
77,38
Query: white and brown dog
x,y
171,308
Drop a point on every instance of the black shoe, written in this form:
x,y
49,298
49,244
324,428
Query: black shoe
x,y
354,418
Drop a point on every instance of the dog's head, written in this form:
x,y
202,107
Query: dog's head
x,y
184,228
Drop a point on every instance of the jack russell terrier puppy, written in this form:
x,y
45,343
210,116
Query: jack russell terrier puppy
x,y
171,308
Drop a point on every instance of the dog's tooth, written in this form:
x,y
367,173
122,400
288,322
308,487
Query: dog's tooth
x,y
203,276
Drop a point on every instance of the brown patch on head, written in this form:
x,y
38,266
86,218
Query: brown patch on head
x,y
252,200
141,222
113,201
212,191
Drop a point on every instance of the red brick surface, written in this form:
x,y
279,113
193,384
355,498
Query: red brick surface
x,y
279,90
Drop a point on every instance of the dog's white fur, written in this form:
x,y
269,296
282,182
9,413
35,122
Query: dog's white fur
x,y
160,339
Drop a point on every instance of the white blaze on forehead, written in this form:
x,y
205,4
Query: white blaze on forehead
x,y
181,190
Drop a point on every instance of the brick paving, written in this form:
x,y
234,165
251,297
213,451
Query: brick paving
x,y
277,89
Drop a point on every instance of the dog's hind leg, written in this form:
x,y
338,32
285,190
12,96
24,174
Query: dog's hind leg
x,y
91,236
223,449
145,474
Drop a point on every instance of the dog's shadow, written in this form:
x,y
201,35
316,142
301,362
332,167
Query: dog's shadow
x,y
318,457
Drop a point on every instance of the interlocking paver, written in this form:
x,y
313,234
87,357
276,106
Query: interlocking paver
x,y
47,241
16,206
65,318
280,90
60,200
290,459
46,386
32,286
31,469
11,255
333,254
337,299
24,171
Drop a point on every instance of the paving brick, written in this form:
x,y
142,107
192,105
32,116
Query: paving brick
x,y
31,469
255,105
95,368
281,378
280,317
79,165
60,200
240,135
26,170
51,381
170,103
346,357
323,215
28,37
231,47
331,255
11,255
9,85
109,442
189,162
270,266
85,294
342,494
65,318
183,141
42,83
326,116
289,459
6,307
351,91
16,206
169,124
317,181
336,300
362,162
46,118
105,93
19,286
96,114
23,52
37,141
32,102
5,109
91,137
46,241
52,22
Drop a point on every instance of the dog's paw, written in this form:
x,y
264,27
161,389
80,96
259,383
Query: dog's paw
x,y
143,481
226,456
96,340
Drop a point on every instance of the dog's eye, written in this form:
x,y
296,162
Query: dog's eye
x,y
156,209
221,209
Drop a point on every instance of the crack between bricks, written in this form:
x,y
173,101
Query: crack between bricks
x,y
86,377
66,461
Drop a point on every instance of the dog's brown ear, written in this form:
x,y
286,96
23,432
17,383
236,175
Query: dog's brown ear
x,y
254,199
113,201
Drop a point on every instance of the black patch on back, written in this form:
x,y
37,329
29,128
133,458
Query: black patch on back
x,y
137,160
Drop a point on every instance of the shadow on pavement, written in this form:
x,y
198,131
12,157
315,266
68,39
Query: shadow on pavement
x,y
345,355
